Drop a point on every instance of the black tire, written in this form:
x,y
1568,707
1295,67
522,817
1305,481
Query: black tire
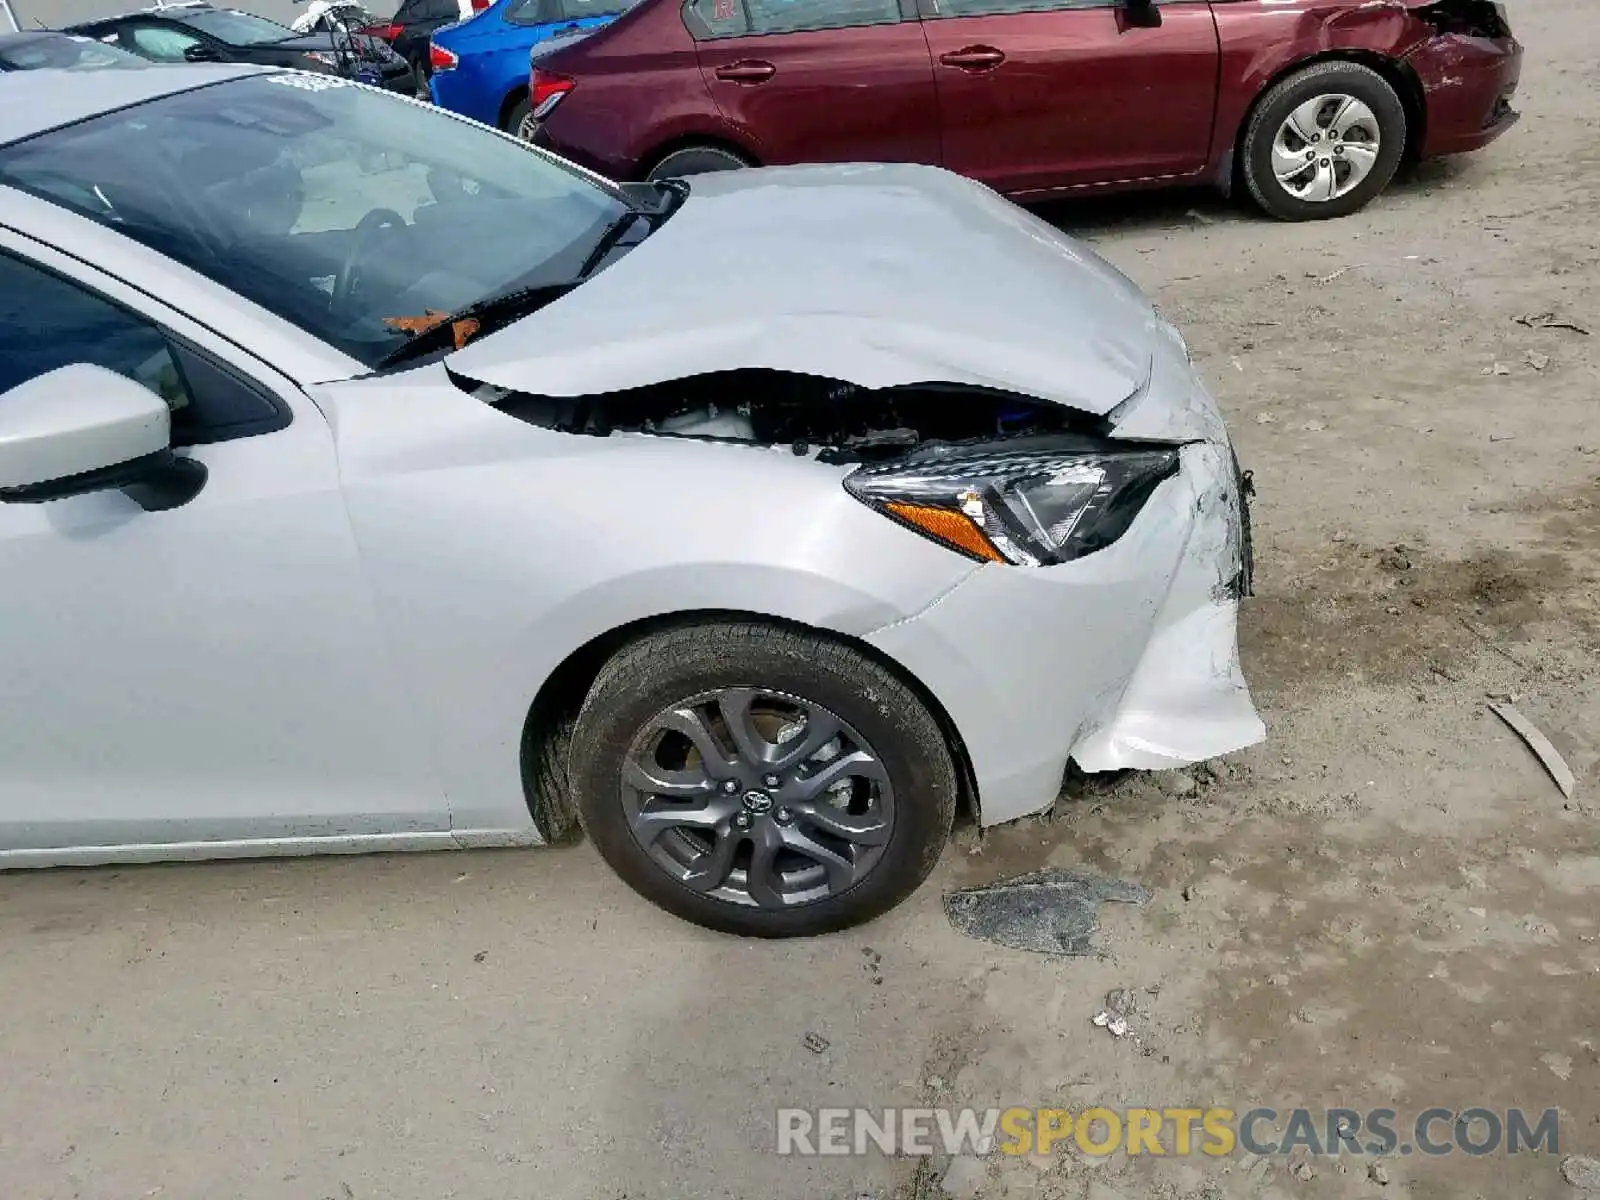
x,y
664,669
515,118
1329,78
696,160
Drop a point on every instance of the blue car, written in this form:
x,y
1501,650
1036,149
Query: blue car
x,y
480,66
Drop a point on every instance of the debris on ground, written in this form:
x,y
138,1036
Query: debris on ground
x,y
1303,1171
1397,558
1378,1173
815,1043
1536,360
1113,1023
1113,1018
1048,912
1539,744
1582,1172
1342,271
873,965
1499,368
1549,320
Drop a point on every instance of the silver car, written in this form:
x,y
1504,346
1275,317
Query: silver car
x,y
374,481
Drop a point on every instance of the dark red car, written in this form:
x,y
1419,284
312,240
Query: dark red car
x,y
1309,104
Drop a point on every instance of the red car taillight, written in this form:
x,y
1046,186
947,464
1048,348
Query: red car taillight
x,y
545,89
480,5
386,33
440,59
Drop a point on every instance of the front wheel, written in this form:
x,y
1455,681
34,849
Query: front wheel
x,y
761,780
1324,142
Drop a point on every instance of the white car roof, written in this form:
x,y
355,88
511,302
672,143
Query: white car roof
x,y
33,102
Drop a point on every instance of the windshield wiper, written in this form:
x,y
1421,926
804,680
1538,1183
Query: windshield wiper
x,y
614,233
673,193
491,309
521,302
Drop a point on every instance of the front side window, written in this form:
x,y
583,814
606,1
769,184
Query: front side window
x,y
349,212
47,322
161,42
237,28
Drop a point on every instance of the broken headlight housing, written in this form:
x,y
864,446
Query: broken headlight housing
x,y
1035,507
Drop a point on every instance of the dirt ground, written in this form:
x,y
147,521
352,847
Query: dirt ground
x,y
1387,904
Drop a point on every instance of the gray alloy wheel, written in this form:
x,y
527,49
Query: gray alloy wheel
x,y
761,779
757,797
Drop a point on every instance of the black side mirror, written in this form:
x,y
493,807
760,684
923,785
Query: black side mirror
x,y
200,52
1143,13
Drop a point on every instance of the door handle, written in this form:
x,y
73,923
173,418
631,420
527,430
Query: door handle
x,y
974,58
749,71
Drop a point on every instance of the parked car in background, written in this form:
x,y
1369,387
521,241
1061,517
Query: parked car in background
x,y
416,21
192,33
480,67
43,50
754,521
1309,105
340,16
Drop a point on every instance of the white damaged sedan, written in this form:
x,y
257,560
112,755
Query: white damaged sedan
x,y
373,481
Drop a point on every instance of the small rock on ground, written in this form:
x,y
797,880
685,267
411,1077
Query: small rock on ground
x,y
1179,783
1582,1172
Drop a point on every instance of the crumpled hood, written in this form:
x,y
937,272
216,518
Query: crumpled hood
x,y
878,275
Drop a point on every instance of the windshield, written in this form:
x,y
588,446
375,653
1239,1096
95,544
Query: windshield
x,y
64,53
352,213
237,28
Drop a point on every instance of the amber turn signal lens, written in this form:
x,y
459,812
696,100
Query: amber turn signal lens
x,y
952,528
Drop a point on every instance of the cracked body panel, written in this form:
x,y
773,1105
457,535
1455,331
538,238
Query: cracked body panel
x,y
1468,83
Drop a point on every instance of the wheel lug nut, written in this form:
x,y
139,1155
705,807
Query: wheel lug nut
x,y
785,816
1311,155
772,781
1327,162
742,820
730,786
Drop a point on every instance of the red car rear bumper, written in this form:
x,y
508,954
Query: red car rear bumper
x,y
1467,85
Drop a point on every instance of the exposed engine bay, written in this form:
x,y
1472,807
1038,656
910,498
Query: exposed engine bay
x,y
833,421
1469,18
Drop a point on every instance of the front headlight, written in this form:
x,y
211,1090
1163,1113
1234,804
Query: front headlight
x,y
1034,508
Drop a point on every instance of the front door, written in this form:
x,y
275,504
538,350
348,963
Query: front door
x,y
209,673
1041,94
820,80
